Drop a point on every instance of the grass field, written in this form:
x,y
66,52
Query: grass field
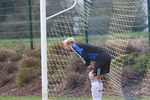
x,y
60,98
100,39
24,44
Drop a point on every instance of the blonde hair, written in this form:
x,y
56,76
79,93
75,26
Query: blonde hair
x,y
69,40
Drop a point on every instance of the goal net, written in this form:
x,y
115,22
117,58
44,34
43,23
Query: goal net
x,y
120,27
129,45
66,76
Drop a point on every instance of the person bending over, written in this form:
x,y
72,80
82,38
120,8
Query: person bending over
x,y
89,53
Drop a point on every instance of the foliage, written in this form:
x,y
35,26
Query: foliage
x,y
9,55
3,81
57,62
4,54
58,49
64,68
57,57
33,53
133,69
76,65
24,76
123,60
143,61
22,48
29,68
15,57
74,80
137,62
11,67
30,62
8,65
2,65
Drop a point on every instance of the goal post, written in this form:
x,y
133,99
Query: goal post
x,y
43,50
44,68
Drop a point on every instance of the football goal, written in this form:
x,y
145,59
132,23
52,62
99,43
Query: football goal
x,y
120,26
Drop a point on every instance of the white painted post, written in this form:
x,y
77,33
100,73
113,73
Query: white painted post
x,y
43,20
43,49
75,2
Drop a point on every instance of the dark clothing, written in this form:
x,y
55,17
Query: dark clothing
x,y
103,62
90,53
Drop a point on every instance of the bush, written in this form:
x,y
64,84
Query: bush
x,y
133,45
4,54
123,60
133,69
136,72
22,48
11,67
33,53
30,62
29,68
57,62
58,49
138,63
4,80
143,61
15,57
76,65
74,80
56,78
24,76
2,65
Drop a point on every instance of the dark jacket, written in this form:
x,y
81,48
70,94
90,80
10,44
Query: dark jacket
x,y
87,52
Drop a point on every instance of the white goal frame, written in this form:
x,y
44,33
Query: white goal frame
x,y
43,25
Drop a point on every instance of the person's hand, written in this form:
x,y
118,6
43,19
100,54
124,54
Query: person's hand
x,y
90,68
91,76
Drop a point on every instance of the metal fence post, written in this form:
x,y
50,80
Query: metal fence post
x,y
30,24
86,26
148,6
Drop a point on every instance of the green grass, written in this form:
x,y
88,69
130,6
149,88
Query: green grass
x,y
20,98
130,35
59,98
9,43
